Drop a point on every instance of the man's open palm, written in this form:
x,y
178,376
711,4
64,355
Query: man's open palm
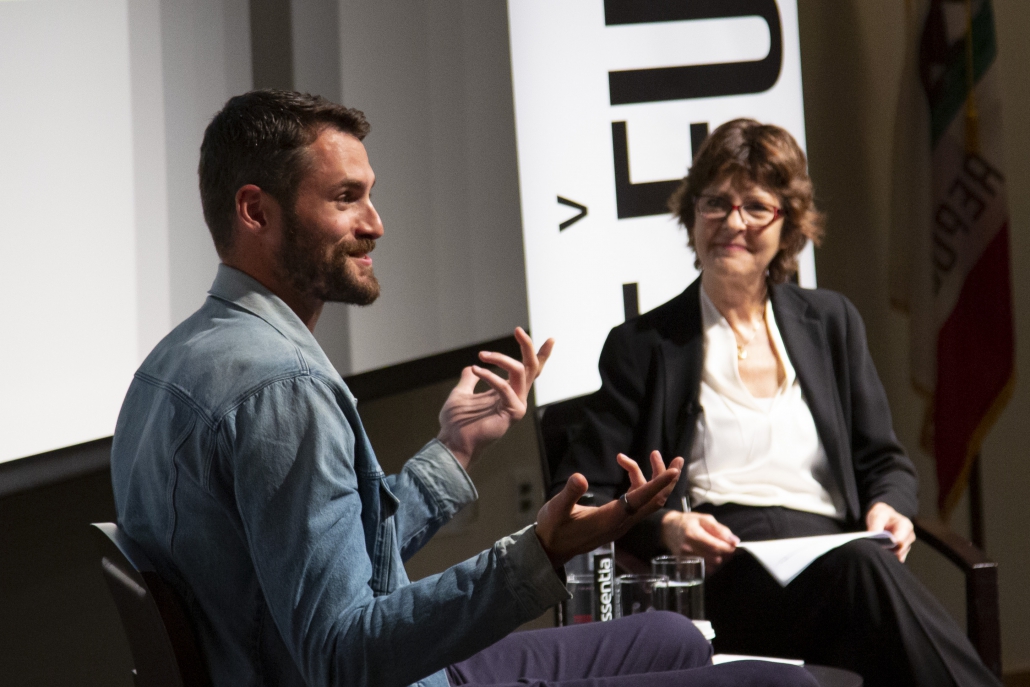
x,y
566,529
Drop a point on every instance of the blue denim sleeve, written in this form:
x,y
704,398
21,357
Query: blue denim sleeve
x,y
299,492
431,488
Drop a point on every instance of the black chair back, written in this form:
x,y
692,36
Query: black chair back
x,y
554,424
164,650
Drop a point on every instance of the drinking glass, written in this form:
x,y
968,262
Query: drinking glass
x,y
639,594
580,608
685,592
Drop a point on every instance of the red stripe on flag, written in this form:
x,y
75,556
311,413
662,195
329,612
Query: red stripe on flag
x,y
975,364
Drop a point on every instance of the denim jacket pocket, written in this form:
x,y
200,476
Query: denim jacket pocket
x,y
386,534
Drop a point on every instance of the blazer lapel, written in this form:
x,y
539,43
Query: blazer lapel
x,y
682,352
805,339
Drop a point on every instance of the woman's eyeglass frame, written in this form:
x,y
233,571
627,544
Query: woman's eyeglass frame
x,y
745,217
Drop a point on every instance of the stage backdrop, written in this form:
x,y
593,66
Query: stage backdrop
x,y
103,245
611,99
67,244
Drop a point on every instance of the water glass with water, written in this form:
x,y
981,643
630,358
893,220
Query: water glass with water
x,y
639,594
685,593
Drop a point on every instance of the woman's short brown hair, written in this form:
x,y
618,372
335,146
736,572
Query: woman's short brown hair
x,y
765,155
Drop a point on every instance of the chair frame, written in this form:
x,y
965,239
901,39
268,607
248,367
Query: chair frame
x,y
983,619
163,646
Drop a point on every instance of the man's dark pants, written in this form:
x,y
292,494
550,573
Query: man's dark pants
x,y
648,650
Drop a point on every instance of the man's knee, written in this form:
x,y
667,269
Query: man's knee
x,y
670,640
668,624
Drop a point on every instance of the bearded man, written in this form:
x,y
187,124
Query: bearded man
x,y
241,467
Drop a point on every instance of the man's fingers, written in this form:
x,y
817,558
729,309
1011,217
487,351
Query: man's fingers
x,y
516,370
468,380
657,464
529,357
501,386
543,354
636,477
565,500
651,496
534,361
526,347
673,476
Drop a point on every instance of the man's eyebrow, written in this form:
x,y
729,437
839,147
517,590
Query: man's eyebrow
x,y
347,184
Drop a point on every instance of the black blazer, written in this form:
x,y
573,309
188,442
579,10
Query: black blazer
x,y
651,379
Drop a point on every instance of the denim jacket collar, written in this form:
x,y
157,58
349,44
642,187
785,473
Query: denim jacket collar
x,y
241,289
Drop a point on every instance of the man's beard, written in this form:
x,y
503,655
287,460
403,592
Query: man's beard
x,y
325,272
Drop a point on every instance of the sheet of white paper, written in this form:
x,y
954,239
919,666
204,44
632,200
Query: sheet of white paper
x,y
728,658
705,626
785,559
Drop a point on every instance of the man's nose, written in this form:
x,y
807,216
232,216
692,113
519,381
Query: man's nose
x,y
372,226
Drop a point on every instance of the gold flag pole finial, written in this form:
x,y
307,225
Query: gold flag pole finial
x,y
972,124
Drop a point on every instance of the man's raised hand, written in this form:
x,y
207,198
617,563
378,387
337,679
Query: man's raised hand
x,y
566,529
470,421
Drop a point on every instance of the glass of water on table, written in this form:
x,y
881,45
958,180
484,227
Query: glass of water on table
x,y
685,592
639,594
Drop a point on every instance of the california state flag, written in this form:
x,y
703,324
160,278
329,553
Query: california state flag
x,y
950,235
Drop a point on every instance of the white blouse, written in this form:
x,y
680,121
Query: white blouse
x,y
755,451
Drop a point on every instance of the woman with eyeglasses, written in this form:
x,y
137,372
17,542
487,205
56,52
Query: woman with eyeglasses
x,y
769,393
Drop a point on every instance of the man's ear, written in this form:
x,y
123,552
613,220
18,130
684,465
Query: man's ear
x,y
256,226
251,207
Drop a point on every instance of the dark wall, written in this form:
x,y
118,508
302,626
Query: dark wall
x,y
58,625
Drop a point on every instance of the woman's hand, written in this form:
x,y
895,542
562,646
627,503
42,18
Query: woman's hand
x,y
698,534
882,518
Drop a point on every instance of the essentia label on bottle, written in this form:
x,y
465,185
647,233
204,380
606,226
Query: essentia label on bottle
x,y
604,569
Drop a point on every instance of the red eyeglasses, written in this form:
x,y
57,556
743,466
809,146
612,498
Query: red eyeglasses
x,y
753,214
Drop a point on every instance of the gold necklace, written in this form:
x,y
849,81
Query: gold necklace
x,y
742,348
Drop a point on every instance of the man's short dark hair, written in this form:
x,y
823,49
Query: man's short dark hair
x,y
261,138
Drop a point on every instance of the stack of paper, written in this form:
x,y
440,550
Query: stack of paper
x,y
785,559
705,626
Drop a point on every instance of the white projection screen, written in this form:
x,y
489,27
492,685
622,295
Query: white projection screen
x,y
611,97
67,247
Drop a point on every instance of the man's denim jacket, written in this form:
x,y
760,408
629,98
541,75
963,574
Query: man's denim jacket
x,y
240,465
